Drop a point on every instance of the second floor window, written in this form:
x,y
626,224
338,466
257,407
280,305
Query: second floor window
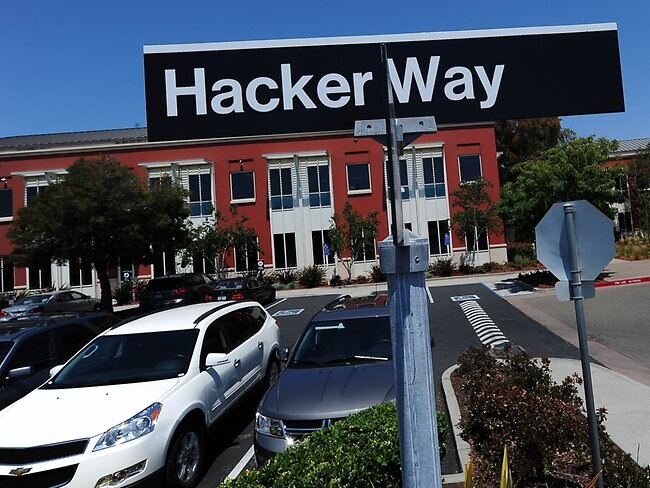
x,y
318,178
6,204
358,177
281,188
200,195
470,167
242,186
434,177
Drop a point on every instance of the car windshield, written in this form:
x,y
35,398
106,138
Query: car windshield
x,y
33,300
5,347
229,284
160,284
343,342
128,358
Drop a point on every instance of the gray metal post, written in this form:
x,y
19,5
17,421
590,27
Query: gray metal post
x,y
405,267
578,299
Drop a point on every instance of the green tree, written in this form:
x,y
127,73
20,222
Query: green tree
x,y
638,173
476,213
352,235
99,212
216,240
522,140
573,170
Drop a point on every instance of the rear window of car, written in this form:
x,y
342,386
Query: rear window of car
x,y
225,284
163,284
33,299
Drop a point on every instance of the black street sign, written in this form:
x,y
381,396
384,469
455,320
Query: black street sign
x,y
257,88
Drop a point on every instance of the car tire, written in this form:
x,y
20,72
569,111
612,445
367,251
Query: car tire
x,y
272,373
185,456
97,307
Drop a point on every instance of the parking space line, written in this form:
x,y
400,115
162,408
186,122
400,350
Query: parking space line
x,y
277,302
429,294
236,471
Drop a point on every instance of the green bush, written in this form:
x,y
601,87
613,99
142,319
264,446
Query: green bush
x,y
524,249
376,274
360,451
539,277
442,267
515,403
123,294
285,276
336,280
312,276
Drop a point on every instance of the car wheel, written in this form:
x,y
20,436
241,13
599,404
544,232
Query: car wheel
x,y
272,373
97,307
185,457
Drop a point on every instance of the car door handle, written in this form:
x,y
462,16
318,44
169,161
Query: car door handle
x,y
237,362
260,345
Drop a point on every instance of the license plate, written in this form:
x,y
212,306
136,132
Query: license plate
x,y
221,298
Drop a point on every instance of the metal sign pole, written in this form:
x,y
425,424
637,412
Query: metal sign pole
x,y
578,299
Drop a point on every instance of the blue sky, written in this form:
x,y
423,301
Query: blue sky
x,y
75,66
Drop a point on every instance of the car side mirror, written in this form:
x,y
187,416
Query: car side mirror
x,y
216,359
282,353
17,373
55,369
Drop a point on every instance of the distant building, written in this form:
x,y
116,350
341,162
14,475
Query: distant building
x,y
289,187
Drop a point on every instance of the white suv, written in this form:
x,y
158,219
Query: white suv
x,y
134,405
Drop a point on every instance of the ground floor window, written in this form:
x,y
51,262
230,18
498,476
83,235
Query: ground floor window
x,y
164,263
320,240
368,253
482,241
6,274
246,259
202,265
81,273
439,237
284,246
40,277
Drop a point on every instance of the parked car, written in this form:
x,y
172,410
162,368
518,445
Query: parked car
x,y
134,405
30,346
341,364
175,290
243,288
54,301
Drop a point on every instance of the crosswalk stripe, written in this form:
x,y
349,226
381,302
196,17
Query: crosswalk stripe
x,y
485,328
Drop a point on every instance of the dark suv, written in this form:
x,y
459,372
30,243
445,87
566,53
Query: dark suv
x,y
29,348
175,290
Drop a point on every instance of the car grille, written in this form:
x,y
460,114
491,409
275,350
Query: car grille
x,y
298,428
38,454
53,478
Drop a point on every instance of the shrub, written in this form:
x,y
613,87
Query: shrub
x,y
360,451
312,276
524,249
285,276
491,266
539,277
123,293
361,279
442,267
376,274
336,280
4,300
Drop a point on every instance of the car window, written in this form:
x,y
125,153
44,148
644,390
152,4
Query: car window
x,y
129,358
103,322
64,297
75,295
214,341
159,284
36,351
33,299
326,341
256,316
5,347
71,338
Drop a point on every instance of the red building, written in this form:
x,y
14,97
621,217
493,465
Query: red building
x,y
288,187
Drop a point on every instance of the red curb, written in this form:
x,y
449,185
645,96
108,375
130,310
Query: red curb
x,y
627,281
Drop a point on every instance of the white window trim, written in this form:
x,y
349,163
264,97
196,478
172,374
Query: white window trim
x,y
243,200
480,166
182,162
364,191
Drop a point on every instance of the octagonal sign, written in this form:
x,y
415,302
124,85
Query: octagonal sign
x,y
594,236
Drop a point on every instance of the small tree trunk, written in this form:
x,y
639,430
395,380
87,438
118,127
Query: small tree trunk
x,y
104,285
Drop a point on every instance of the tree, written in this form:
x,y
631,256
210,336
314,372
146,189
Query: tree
x,y
523,140
352,235
573,170
638,173
477,212
215,240
99,212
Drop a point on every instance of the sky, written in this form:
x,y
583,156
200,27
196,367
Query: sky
x,y
78,65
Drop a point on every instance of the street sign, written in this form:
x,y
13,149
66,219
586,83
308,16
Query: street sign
x,y
260,264
258,88
595,245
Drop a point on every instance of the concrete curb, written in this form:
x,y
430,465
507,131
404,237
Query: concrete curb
x,y
462,447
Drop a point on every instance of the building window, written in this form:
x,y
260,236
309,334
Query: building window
x,y
200,195
285,250
281,188
470,167
358,177
318,179
202,265
439,237
81,273
6,274
242,186
368,253
482,241
246,259
40,277
164,263
32,191
434,177
6,204
154,182
320,240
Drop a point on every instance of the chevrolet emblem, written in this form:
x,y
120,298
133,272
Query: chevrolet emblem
x,y
19,471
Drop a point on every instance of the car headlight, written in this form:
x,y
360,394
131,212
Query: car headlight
x,y
268,426
134,428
